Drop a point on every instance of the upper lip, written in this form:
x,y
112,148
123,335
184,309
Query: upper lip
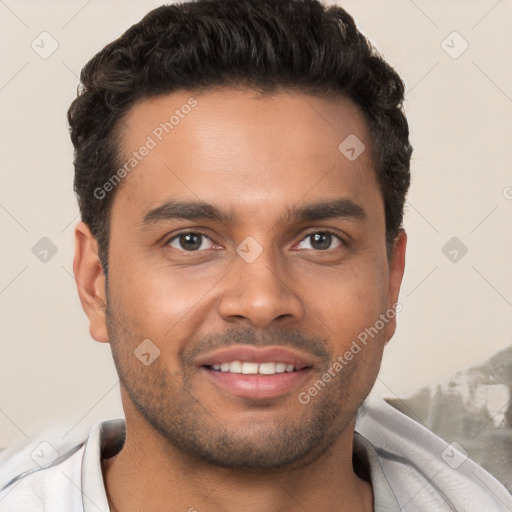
x,y
255,355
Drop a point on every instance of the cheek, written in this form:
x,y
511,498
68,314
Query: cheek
x,y
350,300
160,302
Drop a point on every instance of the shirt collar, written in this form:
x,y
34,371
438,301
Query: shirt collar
x,y
367,460
105,440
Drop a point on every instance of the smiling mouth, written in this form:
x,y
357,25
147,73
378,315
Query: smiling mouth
x,y
256,380
256,372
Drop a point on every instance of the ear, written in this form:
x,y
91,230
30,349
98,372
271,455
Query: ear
x,y
396,272
90,281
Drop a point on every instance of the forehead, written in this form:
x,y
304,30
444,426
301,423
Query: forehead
x,y
244,151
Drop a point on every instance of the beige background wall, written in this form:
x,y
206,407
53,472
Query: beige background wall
x,y
455,314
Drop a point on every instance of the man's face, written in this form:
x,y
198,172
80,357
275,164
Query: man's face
x,y
256,278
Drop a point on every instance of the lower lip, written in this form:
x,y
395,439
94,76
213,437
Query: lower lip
x,y
257,386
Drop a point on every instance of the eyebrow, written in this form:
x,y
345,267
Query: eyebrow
x,y
198,210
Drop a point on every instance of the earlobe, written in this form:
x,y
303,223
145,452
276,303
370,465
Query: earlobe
x,y
90,281
396,273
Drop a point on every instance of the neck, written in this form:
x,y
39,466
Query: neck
x,y
151,473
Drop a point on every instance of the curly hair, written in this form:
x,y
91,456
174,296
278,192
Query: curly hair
x,y
261,44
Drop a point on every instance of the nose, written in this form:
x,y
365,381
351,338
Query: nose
x,y
260,293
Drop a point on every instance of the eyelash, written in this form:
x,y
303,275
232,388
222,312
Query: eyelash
x,y
309,233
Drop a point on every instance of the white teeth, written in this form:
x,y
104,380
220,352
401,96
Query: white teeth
x,y
267,368
280,367
235,367
248,368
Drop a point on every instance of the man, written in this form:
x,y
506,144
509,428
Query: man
x,y
241,168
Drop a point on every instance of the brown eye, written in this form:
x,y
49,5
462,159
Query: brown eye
x,y
190,242
322,241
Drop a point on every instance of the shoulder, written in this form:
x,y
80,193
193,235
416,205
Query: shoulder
x,y
58,475
424,471
55,485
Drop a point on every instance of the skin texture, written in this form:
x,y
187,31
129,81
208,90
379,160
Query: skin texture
x,y
189,443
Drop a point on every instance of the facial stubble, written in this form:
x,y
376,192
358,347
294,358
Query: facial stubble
x,y
167,402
